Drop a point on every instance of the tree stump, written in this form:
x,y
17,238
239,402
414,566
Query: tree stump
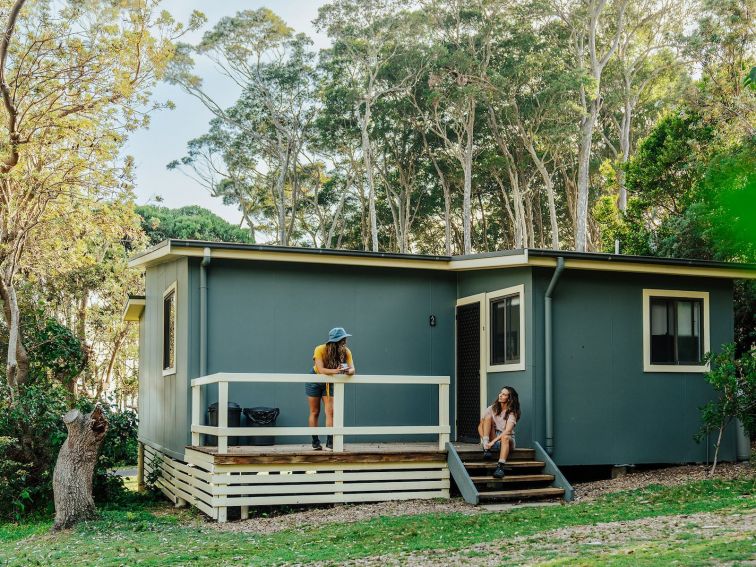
x,y
72,480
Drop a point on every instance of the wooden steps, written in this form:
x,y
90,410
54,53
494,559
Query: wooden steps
x,y
525,478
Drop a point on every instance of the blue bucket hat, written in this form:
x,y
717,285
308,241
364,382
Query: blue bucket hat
x,y
336,334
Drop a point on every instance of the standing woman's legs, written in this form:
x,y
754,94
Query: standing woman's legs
x,y
328,401
314,403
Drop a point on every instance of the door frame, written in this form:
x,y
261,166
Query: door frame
x,y
480,298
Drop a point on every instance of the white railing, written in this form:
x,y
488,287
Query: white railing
x,y
338,430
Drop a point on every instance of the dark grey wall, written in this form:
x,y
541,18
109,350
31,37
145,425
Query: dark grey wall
x,y
607,410
163,400
474,282
269,316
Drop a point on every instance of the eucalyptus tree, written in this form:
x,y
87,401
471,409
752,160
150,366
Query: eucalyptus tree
x,y
646,67
367,37
595,29
461,32
75,77
275,71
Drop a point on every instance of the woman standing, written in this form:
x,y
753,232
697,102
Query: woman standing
x,y
500,417
330,359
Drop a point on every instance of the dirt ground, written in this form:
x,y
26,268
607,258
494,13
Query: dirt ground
x,y
277,519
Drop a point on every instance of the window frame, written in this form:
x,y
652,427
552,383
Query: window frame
x,y
648,294
492,296
169,371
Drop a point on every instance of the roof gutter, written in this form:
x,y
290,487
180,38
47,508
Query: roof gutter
x,y
548,354
203,311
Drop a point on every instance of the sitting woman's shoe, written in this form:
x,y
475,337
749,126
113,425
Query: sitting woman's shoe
x,y
487,455
316,443
499,472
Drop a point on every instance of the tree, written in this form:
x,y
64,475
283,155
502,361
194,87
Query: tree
x,y
367,36
593,44
275,71
74,79
734,379
190,223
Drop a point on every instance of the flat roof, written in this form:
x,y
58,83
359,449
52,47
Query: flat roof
x,y
171,249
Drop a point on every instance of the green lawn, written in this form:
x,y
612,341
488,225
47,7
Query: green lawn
x,y
152,534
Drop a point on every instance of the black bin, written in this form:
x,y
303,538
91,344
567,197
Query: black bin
x,y
234,420
261,417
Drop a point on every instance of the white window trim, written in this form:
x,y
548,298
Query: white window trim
x,y
171,288
492,296
647,295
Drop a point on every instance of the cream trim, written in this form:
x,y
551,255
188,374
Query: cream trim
x,y
134,309
619,266
669,368
492,296
480,299
171,288
166,253
488,262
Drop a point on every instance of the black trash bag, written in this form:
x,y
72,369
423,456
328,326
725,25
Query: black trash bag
x,y
261,417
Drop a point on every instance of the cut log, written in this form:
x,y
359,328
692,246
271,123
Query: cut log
x,y
72,480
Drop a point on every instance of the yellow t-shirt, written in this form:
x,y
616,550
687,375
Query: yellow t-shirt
x,y
320,351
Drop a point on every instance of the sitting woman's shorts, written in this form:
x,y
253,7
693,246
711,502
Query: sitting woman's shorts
x,y
316,389
497,446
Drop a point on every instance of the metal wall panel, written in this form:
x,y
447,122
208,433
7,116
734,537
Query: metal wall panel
x,y
268,317
607,410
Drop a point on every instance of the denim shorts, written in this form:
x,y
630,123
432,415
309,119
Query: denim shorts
x,y
318,390
497,446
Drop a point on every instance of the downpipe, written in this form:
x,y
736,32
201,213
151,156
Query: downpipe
x,y
203,311
549,376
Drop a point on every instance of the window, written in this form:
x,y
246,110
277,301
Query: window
x,y
675,330
505,325
169,330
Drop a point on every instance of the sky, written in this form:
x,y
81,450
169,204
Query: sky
x,y
170,130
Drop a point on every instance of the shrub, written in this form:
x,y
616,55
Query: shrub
x,y
32,432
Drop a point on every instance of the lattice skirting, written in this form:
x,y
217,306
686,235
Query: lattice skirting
x,y
213,488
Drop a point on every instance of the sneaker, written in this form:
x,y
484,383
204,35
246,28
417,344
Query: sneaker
x,y
316,444
499,472
329,442
487,455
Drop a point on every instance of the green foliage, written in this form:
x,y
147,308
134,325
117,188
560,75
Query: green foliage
x,y
191,223
734,379
32,433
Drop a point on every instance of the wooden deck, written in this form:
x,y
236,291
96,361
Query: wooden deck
x,y
302,454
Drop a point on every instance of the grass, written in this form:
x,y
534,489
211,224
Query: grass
x,y
145,533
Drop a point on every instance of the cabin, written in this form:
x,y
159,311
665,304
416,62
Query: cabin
x,y
605,351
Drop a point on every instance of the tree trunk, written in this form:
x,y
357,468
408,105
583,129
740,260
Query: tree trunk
x,y
17,366
367,156
584,163
72,480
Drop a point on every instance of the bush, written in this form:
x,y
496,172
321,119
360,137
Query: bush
x,y
31,434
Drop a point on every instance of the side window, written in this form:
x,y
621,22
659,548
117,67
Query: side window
x,y
675,332
169,330
505,329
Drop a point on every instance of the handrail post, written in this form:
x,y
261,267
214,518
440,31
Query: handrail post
x,y
222,416
338,416
196,404
443,414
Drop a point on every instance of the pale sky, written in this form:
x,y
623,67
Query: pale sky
x,y
170,130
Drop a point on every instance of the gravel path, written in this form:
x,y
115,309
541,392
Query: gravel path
x,y
276,519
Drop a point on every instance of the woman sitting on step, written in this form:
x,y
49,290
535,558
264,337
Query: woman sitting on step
x,y
500,417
